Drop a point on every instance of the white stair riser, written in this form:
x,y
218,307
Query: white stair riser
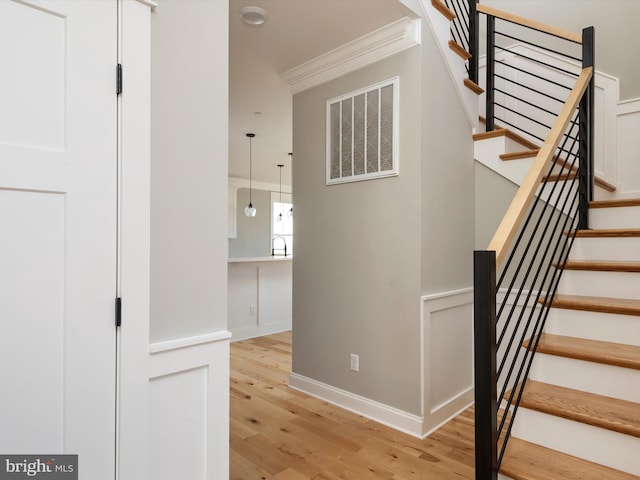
x,y
619,217
607,327
595,444
620,248
606,380
600,284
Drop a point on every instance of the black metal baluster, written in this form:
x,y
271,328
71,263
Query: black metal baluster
x,y
491,41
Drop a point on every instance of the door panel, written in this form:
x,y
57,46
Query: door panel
x,y
58,230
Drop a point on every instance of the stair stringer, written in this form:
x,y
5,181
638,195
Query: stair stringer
x,y
440,26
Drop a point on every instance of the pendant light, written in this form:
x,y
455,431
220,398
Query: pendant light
x,y
290,212
250,210
279,217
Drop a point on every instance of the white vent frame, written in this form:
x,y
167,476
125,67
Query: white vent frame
x,y
395,134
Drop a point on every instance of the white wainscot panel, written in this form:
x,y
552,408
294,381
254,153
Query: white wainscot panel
x,y
189,408
447,326
34,93
259,297
628,153
33,224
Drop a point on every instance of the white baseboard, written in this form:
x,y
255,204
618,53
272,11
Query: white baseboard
x,y
447,370
259,330
392,417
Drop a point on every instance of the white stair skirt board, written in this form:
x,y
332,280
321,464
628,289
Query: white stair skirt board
x,y
488,150
607,327
600,284
615,450
441,28
615,217
392,417
621,248
606,380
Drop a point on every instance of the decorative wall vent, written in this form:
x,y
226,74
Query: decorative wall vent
x,y
362,134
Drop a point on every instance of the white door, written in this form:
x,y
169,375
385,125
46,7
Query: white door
x,y
58,230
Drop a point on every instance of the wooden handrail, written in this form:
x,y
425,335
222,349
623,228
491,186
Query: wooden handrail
x,y
540,167
526,22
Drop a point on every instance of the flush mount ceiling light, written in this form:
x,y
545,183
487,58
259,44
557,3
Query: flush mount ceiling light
x,y
253,15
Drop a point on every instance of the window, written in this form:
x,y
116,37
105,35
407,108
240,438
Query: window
x,y
362,134
281,224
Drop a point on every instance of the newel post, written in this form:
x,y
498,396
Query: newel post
x,y
484,318
586,122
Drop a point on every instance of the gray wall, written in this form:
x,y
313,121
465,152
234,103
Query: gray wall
x,y
447,179
189,130
367,251
616,26
356,273
253,235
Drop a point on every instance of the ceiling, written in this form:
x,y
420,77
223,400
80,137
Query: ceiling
x,y
295,31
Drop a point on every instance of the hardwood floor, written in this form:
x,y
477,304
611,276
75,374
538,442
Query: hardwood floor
x,y
278,433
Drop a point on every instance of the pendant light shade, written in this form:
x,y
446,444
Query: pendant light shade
x,y
250,210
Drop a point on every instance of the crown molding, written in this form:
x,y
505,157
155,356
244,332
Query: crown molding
x,y
373,47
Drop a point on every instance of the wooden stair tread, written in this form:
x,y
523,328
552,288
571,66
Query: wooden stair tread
x,y
498,132
501,131
602,265
518,155
528,461
624,306
608,353
559,177
443,9
474,87
605,412
609,232
626,202
604,184
461,52
510,134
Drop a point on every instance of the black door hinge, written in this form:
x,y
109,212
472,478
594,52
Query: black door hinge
x,y
118,311
119,79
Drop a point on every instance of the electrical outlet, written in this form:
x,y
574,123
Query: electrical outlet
x,y
355,362
252,310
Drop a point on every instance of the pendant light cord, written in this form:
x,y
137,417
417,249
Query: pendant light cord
x,y
250,169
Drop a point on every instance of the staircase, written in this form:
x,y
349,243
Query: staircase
x,y
584,387
573,410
